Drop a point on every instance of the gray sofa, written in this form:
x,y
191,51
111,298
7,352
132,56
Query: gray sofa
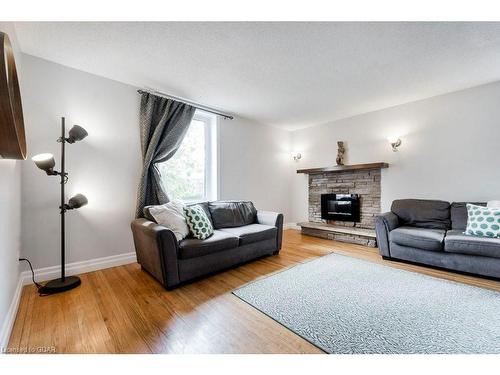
x,y
430,232
241,234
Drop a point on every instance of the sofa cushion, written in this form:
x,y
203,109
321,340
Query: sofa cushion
x,y
219,241
230,214
420,238
458,213
422,213
252,233
457,242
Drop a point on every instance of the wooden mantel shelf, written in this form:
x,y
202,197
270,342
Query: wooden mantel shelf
x,y
341,168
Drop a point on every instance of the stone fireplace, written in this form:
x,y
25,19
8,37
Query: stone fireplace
x,y
356,185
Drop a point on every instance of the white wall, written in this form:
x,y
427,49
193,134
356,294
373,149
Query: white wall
x,y
105,166
10,217
449,150
254,163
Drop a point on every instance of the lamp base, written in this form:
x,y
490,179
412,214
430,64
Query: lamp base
x,y
60,285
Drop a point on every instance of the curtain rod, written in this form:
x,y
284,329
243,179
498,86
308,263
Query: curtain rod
x,y
196,105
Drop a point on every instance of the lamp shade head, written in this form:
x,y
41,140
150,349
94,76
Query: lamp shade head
x,y
77,133
45,162
77,201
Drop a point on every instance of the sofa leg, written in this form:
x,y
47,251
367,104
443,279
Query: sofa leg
x,y
276,252
385,257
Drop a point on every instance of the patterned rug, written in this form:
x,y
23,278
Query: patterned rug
x,y
351,306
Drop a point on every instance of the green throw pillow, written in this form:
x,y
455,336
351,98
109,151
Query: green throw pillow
x,y
483,221
198,222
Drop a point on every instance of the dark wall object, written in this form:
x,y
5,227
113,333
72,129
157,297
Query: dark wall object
x,y
12,137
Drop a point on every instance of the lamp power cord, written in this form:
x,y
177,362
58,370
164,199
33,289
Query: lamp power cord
x,y
38,286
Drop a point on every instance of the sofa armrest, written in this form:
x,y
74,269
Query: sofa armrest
x,y
274,219
156,248
384,223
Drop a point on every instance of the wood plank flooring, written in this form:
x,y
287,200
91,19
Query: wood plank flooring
x,y
124,310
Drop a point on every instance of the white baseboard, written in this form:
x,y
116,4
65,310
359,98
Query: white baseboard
x,y
291,226
49,273
10,318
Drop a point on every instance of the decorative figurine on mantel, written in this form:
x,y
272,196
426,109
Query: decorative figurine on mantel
x,y
340,153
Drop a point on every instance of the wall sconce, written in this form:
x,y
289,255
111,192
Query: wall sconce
x,y
296,156
395,143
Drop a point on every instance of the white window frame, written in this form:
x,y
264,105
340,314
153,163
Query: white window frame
x,y
211,191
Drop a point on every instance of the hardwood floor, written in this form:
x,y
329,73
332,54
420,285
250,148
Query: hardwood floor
x,y
124,310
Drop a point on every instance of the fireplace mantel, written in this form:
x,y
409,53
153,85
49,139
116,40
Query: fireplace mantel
x,y
342,168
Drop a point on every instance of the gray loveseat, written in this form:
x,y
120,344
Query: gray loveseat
x,y
241,234
430,232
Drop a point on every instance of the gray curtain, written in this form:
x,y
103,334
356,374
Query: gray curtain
x,y
163,123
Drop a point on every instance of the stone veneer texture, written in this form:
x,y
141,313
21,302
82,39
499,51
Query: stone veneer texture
x,y
366,183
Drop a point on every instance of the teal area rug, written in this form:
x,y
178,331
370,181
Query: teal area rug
x,y
349,306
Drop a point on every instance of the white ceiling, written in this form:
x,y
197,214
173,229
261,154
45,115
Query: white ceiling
x,y
284,74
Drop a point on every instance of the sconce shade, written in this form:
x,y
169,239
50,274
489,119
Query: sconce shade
x,y
396,144
76,133
393,139
77,201
45,162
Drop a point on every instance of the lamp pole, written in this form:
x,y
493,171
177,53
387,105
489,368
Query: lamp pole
x,y
63,198
46,162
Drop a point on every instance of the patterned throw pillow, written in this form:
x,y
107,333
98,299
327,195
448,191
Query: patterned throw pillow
x,y
483,221
198,222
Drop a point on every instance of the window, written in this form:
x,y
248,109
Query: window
x,y
191,174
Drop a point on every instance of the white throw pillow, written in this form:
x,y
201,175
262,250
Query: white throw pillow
x,y
493,204
171,215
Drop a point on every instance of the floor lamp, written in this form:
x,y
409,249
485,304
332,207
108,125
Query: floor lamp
x,y
47,163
